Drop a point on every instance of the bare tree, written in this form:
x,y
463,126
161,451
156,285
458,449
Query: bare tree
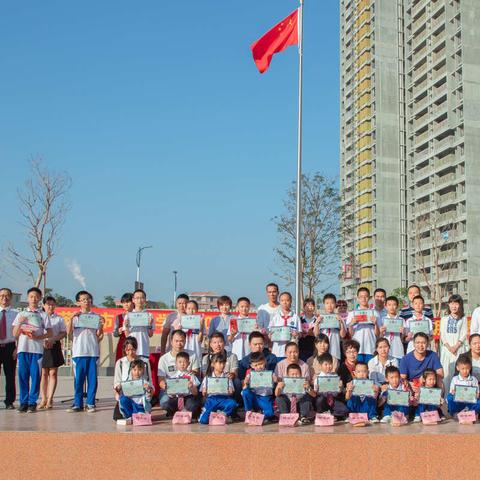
x,y
320,232
43,208
435,267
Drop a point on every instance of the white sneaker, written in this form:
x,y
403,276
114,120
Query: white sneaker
x,y
386,419
124,421
90,409
374,420
417,419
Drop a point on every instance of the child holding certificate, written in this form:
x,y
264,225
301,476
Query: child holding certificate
x,y
428,398
140,324
194,335
328,389
391,400
322,345
362,393
284,326
392,328
418,322
182,398
363,325
240,328
87,329
331,325
464,392
136,392
30,328
221,323
218,394
299,393
257,394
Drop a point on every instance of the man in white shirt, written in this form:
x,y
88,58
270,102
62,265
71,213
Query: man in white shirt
x,y
181,305
475,325
8,347
268,310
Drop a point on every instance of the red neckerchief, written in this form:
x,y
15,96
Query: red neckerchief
x,y
285,318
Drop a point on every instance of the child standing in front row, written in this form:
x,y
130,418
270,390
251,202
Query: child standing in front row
x,y
138,403
464,378
85,353
237,340
417,314
394,382
30,350
397,349
362,403
221,323
258,398
214,403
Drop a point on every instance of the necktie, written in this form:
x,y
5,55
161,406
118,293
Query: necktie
x,y
3,326
293,404
181,404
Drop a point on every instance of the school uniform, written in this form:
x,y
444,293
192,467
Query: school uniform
x,y
85,355
364,334
265,313
53,357
333,402
7,348
455,407
388,409
244,363
221,324
136,403
29,355
397,349
239,345
413,318
333,335
191,402
141,334
363,404
192,339
231,366
255,399
280,319
215,403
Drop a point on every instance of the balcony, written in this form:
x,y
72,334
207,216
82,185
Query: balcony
x,y
422,138
446,179
447,199
441,72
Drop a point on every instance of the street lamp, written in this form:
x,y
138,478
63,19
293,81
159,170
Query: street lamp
x,y
139,259
174,287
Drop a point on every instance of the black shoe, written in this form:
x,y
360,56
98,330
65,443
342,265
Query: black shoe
x,y
9,406
32,408
22,408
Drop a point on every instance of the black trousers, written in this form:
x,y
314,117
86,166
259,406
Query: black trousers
x,y
9,365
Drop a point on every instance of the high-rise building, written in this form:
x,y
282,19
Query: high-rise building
x,y
410,145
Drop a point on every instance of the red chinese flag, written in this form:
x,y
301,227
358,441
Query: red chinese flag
x,y
277,39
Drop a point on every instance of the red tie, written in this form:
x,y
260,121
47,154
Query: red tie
x,y
293,404
3,326
181,404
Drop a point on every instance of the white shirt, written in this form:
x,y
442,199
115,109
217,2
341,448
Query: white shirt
x,y
167,367
376,371
475,325
410,346
141,335
265,313
27,345
470,381
223,375
364,333
292,320
57,324
10,315
122,371
397,349
85,340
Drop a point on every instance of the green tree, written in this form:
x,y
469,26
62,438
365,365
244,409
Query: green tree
x,y
402,294
157,305
60,299
109,301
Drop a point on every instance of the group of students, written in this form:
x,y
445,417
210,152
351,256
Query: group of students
x,y
373,359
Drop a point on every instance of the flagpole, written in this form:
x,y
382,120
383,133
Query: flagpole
x,y
298,253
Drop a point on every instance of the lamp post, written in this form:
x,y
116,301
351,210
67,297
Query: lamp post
x,y
139,260
174,287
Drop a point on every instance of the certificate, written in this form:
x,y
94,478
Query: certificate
x,y
417,326
280,334
294,385
262,379
393,325
330,320
246,325
330,384
217,386
138,319
465,394
177,386
191,322
398,397
133,388
363,316
88,320
430,396
34,319
363,387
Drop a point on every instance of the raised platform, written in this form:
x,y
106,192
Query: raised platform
x,y
55,444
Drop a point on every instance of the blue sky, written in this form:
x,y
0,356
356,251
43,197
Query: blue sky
x,y
171,136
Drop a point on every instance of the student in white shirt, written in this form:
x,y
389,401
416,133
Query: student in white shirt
x,y
464,378
239,341
167,327
142,334
221,323
8,347
285,318
85,353
418,313
30,349
52,354
268,310
364,330
395,339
